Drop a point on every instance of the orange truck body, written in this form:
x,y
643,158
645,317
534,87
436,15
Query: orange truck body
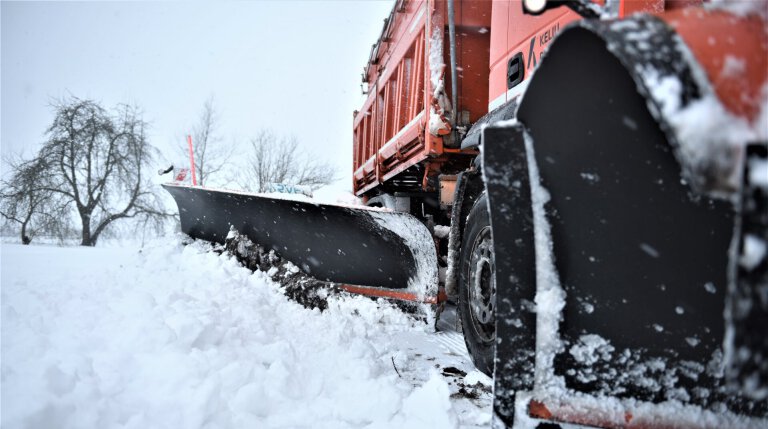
x,y
394,131
405,134
391,129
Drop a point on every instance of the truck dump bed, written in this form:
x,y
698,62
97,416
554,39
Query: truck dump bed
x,y
406,133
406,118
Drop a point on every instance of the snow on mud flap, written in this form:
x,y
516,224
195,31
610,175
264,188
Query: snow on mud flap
x,y
624,315
369,251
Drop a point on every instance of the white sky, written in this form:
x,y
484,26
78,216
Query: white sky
x,y
290,66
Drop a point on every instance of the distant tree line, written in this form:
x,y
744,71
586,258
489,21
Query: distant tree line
x,y
269,158
212,155
276,159
93,171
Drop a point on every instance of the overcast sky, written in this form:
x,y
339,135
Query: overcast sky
x,y
290,66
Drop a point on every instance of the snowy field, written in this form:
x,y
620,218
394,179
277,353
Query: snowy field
x,y
173,336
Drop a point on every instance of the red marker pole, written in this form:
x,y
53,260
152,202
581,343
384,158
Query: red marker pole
x,y
192,160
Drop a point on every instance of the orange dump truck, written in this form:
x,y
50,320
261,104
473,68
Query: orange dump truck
x,y
586,182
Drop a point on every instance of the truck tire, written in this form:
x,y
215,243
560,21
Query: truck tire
x,y
477,287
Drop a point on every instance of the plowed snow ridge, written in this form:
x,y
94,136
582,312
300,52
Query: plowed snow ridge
x,y
175,336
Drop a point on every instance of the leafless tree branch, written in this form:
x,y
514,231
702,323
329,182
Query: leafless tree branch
x,y
275,159
211,153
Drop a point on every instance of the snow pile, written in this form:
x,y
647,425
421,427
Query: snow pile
x,y
178,336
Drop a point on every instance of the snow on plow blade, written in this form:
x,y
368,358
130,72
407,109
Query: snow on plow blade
x,y
623,314
346,245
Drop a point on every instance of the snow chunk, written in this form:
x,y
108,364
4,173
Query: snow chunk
x,y
442,231
758,172
649,250
754,251
665,90
591,349
692,341
436,123
712,140
629,122
591,178
440,108
436,64
710,287
429,406
476,377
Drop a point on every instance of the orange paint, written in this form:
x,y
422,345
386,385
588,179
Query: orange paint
x,y
539,410
192,160
587,414
732,50
394,294
629,7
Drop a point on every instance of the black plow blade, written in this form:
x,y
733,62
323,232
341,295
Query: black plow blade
x,y
340,244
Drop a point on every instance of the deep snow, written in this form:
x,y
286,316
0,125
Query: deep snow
x,y
177,336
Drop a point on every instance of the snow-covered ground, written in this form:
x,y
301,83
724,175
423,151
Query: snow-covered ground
x,y
177,336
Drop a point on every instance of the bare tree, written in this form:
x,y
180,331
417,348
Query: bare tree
x,y
95,161
25,200
277,160
211,155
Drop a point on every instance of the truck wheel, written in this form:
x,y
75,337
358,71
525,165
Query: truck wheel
x,y
477,287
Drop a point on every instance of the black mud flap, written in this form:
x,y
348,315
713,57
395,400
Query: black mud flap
x,y
505,172
347,245
645,258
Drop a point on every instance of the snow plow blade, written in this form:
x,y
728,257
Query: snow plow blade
x,y
352,246
635,330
